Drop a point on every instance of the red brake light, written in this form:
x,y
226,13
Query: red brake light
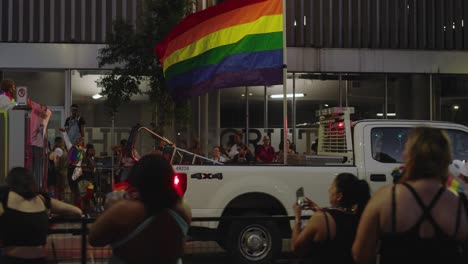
x,y
180,183
176,180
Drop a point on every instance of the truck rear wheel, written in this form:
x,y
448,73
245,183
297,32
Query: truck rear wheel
x,y
254,241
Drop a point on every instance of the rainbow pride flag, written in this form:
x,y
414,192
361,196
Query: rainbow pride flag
x,y
454,184
235,43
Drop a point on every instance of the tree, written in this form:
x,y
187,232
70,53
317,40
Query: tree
x,y
132,51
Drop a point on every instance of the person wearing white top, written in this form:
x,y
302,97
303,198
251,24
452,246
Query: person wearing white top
x,y
217,155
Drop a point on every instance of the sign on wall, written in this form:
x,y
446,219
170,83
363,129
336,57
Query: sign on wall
x,y
22,95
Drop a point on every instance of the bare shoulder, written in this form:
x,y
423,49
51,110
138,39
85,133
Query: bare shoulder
x,y
380,202
184,210
317,225
385,190
131,209
383,194
317,220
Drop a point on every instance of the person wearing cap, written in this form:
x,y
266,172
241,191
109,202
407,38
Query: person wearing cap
x,y
74,124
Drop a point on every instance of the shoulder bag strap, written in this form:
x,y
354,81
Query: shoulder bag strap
x,y
393,209
328,224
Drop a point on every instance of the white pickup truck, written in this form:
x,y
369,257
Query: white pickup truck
x,y
370,149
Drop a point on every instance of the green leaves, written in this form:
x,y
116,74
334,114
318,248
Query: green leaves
x,y
131,53
118,89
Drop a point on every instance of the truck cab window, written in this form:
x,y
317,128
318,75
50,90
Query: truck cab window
x,y
388,144
459,141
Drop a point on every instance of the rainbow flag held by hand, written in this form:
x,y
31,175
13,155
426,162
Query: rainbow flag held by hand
x,y
235,43
75,155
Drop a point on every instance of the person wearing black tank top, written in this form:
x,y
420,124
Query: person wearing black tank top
x,y
417,220
329,233
24,218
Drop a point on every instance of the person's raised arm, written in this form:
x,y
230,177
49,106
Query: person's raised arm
x,y
109,226
66,139
367,235
302,239
64,209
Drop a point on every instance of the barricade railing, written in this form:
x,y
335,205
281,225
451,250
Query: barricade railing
x,y
68,240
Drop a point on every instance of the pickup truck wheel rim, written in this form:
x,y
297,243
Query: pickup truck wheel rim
x,y
255,243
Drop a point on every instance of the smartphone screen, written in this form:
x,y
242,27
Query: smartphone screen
x,y
299,195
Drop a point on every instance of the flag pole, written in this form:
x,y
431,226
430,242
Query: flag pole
x,y
285,100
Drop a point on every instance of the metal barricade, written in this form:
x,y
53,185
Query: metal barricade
x,y
68,241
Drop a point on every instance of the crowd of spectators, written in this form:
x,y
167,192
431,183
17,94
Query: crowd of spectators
x,y
237,152
417,219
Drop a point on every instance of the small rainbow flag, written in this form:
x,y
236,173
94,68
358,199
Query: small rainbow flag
x,y
454,184
235,43
76,154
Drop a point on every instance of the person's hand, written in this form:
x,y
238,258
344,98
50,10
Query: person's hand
x,y
62,129
297,210
311,205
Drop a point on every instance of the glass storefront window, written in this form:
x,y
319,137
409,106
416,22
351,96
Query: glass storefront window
x,y
453,98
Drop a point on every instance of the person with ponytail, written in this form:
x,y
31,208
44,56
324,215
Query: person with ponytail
x,y
329,233
151,226
417,219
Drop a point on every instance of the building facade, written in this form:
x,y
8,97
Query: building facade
x,y
387,58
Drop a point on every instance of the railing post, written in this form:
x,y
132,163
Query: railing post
x,y
84,240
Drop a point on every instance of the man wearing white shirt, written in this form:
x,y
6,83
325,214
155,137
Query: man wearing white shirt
x,y
233,151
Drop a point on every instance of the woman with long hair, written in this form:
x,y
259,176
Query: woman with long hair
x,y
416,220
151,227
329,233
24,218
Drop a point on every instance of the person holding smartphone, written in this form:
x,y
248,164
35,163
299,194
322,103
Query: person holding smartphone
x,y
332,229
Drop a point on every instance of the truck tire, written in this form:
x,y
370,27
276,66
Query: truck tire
x,y
254,241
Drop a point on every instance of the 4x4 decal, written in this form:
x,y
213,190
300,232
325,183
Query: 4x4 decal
x,y
202,176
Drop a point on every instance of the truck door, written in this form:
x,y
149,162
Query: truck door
x,y
383,153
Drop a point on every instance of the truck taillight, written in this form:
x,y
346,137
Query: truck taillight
x,y
180,183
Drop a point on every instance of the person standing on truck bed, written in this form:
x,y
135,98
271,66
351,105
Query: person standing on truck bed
x,y
329,233
417,220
